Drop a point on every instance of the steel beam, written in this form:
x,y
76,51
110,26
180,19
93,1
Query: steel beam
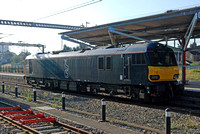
x,y
183,63
166,40
23,45
38,25
140,31
198,15
190,30
113,30
112,38
192,49
185,42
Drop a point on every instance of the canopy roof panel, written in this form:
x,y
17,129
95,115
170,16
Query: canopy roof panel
x,y
171,24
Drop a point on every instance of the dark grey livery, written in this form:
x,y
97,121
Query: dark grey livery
x,y
114,71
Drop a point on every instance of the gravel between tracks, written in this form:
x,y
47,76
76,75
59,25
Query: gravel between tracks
x,y
146,116
143,115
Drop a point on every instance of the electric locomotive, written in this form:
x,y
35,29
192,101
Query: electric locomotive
x,y
142,71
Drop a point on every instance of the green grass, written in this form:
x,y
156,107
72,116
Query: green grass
x,y
184,123
55,105
28,96
45,94
195,63
191,74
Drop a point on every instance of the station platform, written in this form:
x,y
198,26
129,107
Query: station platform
x,y
192,86
11,74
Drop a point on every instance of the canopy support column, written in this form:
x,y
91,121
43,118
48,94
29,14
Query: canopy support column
x,y
185,43
190,30
112,38
183,63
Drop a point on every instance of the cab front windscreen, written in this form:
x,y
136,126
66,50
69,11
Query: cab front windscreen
x,y
162,58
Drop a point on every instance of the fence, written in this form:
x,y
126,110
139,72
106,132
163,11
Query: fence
x,y
192,72
11,68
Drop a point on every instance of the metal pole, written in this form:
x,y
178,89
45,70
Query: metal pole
x,y
168,121
184,63
103,115
3,86
34,94
42,49
16,87
63,101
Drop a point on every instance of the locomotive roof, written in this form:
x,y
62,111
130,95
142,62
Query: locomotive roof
x,y
138,48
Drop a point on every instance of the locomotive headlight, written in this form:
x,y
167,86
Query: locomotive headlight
x,y
148,90
176,76
154,77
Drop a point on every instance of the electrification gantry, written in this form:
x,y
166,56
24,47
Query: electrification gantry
x,y
23,45
39,25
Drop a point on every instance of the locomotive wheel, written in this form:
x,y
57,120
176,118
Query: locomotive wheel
x,y
147,98
95,91
47,85
91,90
134,96
81,87
170,95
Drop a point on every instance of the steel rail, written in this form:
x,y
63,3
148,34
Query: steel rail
x,y
185,97
72,128
32,130
17,123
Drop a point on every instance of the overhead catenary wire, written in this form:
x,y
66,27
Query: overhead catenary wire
x,y
70,9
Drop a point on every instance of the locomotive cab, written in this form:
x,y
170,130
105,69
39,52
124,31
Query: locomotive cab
x,y
163,72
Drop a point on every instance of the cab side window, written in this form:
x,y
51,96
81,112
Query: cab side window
x,y
100,63
138,59
108,62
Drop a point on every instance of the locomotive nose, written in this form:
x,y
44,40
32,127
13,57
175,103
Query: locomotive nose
x,y
163,73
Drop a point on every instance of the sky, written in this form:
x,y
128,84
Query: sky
x,y
103,12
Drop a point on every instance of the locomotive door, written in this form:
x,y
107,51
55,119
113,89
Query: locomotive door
x,y
126,67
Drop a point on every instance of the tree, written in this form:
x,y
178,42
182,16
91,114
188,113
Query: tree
x,y
7,56
19,59
67,49
15,59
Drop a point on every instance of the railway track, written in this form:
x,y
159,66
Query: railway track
x,y
18,120
188,101
190,109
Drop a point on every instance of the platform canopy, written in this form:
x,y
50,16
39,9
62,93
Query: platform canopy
x,y
173,24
